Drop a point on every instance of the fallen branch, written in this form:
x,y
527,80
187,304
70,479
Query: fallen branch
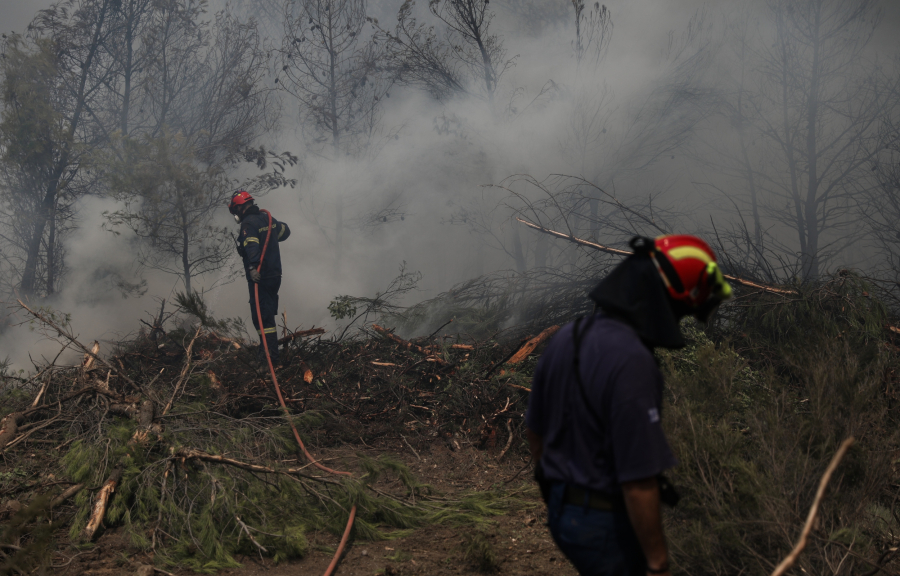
x,y
9,426
41,391
406,344
88,360
184,370
68,493
68,336
405,441
617,252
188,453
301,334
246,530
505,359
528,347
508,442
813,510
100,504
25,436
516,386
237,345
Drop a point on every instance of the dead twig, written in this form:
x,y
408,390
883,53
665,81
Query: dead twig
x,y
68,336
246,530
301,334
508,441
813,510
405,441
184,370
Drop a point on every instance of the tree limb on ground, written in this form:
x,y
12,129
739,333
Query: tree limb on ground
x,y
528,347
68,336
406,344
301,334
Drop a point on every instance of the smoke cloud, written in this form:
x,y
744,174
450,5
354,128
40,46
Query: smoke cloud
x,y
422,194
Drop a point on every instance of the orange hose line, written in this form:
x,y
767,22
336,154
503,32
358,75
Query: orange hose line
x,y
264,343
344,538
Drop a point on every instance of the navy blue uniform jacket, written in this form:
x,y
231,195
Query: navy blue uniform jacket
x,y
254,228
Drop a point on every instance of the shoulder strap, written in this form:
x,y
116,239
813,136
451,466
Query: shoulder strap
x,y
576,365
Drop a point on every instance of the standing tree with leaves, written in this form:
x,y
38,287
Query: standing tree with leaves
x,y
203,105
56,83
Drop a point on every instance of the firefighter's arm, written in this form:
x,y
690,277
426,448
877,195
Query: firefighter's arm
x,y
282,231
643,505
252,247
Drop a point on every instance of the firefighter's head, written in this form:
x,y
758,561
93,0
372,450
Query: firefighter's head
x,y
692,278
240,201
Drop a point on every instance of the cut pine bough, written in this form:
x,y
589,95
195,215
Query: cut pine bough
x,y
175,484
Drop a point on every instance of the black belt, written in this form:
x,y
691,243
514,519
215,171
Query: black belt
x,y
579,496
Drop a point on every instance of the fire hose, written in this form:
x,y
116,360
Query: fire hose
x,y
320,466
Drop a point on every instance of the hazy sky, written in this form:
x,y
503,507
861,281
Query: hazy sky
x,y
18,13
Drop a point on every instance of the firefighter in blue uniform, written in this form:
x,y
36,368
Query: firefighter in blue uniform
x,y
594,413
254,228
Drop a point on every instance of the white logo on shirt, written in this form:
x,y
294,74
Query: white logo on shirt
x,y
654,415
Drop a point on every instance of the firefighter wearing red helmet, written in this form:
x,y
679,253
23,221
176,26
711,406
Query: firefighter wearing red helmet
x,y
254,230
595,408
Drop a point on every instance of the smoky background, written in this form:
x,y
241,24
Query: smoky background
x,y
647,117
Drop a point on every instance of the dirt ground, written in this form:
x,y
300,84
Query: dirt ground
x,y
519,539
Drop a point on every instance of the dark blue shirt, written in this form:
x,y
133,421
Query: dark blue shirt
x,y
623,385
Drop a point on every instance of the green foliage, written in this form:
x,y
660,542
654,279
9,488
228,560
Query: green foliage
x,y
382,306
478,551
169,196
81,462
754,434
29,125
839,308
342,307
28,525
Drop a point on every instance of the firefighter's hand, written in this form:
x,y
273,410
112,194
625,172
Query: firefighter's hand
x,y
255,275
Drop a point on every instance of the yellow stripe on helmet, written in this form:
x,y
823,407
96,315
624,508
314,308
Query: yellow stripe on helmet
x,y
682,252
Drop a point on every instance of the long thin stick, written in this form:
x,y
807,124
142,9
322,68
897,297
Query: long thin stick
x,y
617,252
68,336
508,442
405,441
813,510
184,370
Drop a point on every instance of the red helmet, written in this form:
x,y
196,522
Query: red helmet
x,y
689,270
239,198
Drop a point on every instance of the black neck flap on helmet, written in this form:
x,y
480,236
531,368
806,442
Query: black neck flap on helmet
x,y
635,293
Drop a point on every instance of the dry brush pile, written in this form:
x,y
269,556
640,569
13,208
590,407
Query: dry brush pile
x,y
185,425
176,440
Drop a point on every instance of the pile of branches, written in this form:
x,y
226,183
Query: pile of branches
x,y
176,440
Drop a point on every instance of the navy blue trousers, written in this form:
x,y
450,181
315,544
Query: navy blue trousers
x,y
268,305
597,542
